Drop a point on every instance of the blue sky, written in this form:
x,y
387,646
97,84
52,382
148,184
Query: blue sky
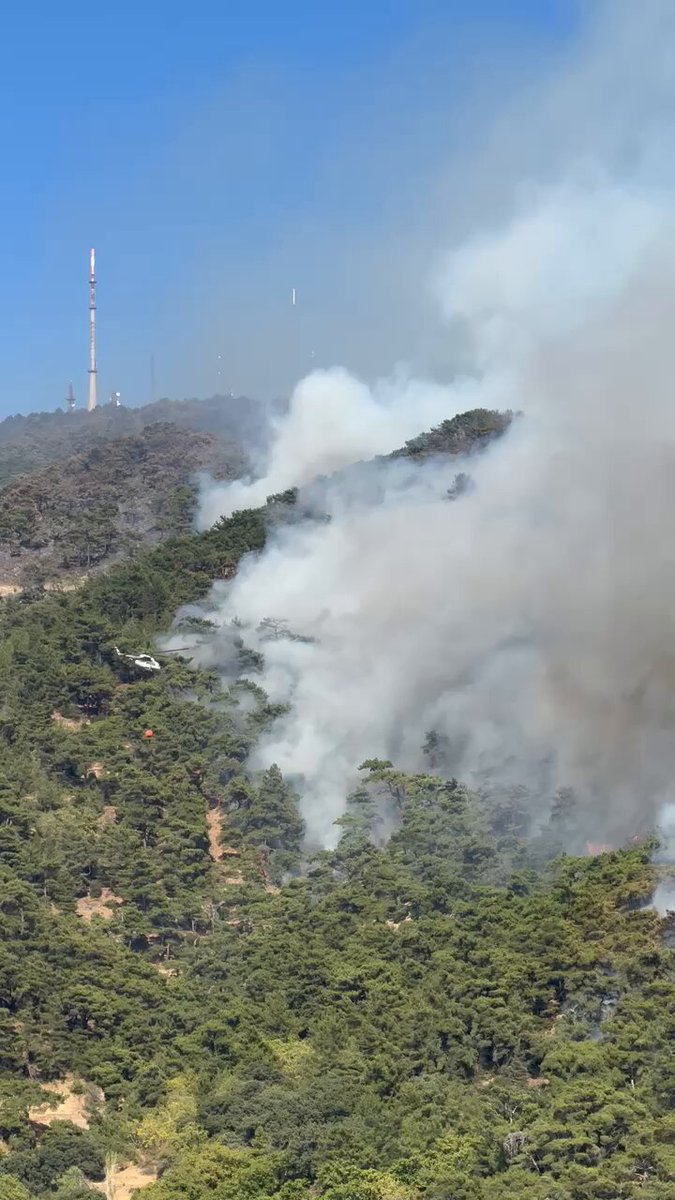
x,y
218,154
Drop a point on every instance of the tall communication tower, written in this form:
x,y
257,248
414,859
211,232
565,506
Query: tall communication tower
x,y
70,398
91,400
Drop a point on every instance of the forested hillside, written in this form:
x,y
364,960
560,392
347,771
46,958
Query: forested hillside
x,y
28,443
78,515
458,435
191,1002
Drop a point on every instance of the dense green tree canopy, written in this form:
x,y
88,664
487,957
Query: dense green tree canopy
x,y
449,1012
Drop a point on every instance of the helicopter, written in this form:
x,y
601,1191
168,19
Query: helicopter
x,y
146,662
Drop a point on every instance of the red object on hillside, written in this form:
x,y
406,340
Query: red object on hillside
x,y
148,734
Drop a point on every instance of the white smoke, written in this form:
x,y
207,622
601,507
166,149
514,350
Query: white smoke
x,y
567,252
333,420
663,899
532,621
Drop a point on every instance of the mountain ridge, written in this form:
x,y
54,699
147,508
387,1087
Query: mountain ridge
x,y
34,440
122,490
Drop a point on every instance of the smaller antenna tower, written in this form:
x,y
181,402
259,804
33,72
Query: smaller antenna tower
x,y
70,398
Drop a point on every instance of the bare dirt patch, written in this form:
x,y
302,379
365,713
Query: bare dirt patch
x,y
70,1105
69,723
96,769
122,1182
50,585
397,924
168,972
62,585
89,907
108,816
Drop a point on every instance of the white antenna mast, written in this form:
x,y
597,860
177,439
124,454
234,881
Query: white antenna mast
x,y
91,401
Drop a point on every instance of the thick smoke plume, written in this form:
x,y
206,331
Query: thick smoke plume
x,y
531,621
334,420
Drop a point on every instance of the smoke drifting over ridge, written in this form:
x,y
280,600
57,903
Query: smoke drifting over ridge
x,y
334,420
531,621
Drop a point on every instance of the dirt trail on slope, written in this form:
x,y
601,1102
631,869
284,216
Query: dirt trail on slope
x,y
214,821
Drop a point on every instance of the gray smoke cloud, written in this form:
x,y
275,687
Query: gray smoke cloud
x,y
531,622
333,420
